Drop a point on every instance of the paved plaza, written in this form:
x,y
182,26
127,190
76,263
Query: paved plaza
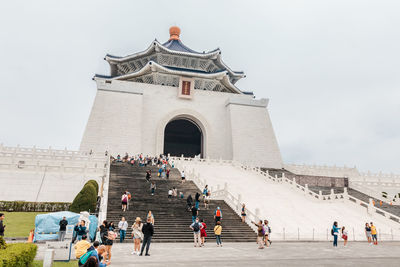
x,y
247,254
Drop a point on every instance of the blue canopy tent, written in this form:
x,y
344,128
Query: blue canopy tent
x,y
47,225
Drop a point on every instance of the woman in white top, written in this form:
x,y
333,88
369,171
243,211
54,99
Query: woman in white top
x,y
137,235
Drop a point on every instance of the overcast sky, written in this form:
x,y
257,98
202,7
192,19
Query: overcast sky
x,y
331,69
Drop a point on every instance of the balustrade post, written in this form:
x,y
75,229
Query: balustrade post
x,y
313,237
320,195
332,194
370,207
284,234
306,189
345,193
257,214
294,182
239,202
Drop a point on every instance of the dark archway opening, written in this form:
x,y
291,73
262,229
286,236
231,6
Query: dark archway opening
x,y
183,136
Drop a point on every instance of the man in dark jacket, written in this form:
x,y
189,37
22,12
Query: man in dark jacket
x,y
148,231
1,224
63,229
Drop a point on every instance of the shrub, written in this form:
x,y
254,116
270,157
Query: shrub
x,y
85,200
34,206
95,184
3,244
17,255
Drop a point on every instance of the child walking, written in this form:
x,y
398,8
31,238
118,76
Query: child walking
x,y
217,232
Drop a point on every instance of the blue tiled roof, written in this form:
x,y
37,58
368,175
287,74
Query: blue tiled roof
x,y
177,45
191,70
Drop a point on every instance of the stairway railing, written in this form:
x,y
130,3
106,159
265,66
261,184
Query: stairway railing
x,y
104,192
370,207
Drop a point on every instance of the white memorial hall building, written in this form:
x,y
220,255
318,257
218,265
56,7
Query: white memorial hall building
x,y
170,99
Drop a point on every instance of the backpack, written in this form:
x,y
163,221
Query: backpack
x,y
83,259
332,232
196,227
218,213
111,235
269,229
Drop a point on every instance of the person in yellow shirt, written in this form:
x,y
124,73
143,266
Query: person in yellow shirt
x,y
81,247
374,234
217,232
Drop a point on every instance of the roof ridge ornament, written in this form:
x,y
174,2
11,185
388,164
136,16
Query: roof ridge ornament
x,y
174,33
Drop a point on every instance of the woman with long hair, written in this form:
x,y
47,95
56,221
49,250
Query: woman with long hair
x,y
335,231
137,235
243,213
368,232
344,235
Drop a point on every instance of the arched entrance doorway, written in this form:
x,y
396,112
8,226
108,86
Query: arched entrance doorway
x,y
183,136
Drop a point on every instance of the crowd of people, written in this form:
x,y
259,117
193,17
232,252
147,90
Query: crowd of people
x,y
99,254
370,232
263,233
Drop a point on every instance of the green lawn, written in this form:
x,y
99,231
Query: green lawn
x,y
18,224
56,264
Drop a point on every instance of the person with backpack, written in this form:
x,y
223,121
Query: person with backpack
x,y
335,233
260,234
196,226
205,191
148,232
100,252
218,215
267,230
124,201
109,239
217,232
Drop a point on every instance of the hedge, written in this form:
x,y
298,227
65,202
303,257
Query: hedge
x,y
85,200
18,255
34,206
95,184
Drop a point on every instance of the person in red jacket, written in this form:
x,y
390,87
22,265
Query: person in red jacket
x,y
218,215
203,233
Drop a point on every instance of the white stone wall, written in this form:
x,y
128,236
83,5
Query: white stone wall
x,y
114,123
131,117
253,138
